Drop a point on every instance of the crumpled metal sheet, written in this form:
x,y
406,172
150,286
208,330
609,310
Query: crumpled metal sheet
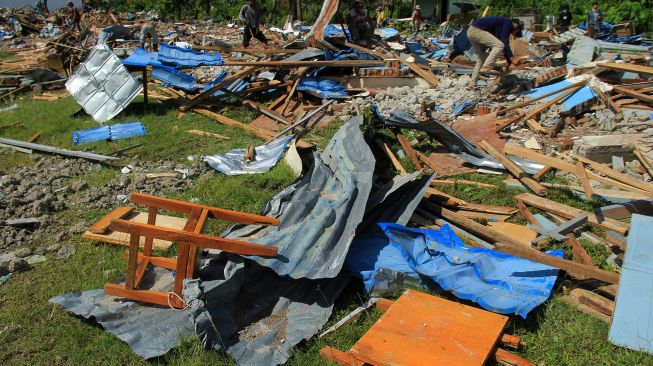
x,y
322,88
323,211
455,142
241,307
102,85
109,132
174,78
233,162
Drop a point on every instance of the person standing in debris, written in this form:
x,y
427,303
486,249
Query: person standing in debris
x,y
492,33
359,24
417,18
148,32
380,17
42,7
250,16
74,17
594,20
565,16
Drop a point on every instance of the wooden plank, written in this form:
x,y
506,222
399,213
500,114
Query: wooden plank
x,y
626,210
642,159
184,249
484,232
542,172
187,208
627,67
35,136
611,173
339,357
577,270
526,214
573,300
204,133
571,212
440,329
391,156
514,169
584,181
451,182
291,64
634,94
445,198
194,257
147,296
115,237
434,167
201,240
264,134
152,213
506,358
102,225
408,149
560,164
132,260
208,93
162,262
520,233
577,249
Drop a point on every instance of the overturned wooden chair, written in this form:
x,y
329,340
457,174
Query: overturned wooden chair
x,y
191,241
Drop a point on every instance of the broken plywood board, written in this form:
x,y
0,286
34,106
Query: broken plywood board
x,y
479,129
523,234
444,332
449,164
120,238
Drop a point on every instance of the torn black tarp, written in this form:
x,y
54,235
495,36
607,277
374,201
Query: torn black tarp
x,y
455,142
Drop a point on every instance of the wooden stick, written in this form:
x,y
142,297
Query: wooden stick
x,y
621,177
634,94
642,159
577,249
578,270
514,169
542,172
408,149
582,174
525,213
391,156
568,212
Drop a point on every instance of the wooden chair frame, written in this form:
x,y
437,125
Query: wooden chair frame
x,y
191,241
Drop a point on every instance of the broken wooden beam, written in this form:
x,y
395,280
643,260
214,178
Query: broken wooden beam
x,y
578,270
291,64
56,150
513,168
569,212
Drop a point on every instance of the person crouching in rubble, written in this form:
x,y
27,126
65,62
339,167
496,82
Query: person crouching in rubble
x,y
74,17
492,33
360,24
250,16
149,32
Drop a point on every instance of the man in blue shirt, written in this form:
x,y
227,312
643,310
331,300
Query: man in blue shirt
x,y
492,33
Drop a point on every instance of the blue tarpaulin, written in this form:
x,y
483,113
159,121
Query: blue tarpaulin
x,y
114,132
184,57
581,96
323,88
496,281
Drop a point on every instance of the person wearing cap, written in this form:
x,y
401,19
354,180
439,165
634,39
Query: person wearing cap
x,y
417,18
492,33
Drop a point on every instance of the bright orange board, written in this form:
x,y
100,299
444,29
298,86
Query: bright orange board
x,y
420,329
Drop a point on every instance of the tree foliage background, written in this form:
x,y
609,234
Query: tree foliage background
x,y
275,11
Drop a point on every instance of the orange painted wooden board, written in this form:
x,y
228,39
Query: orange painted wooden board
x,y
421,329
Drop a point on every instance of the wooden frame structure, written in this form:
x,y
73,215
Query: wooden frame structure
x,y
191,241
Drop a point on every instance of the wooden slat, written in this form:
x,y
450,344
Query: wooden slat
x,y
201,240
408,148
542,172
132,260
103,224
514,169
35,136
208,93
187,207
184,249
261,133
194,253
627,67
577,249
526,214
560,164
152,297
391,156
621,177
472,226
571,212
584,181
577,270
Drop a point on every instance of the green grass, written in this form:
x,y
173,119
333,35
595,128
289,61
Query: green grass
x,y
43,333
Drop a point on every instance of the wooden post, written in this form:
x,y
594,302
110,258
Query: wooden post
x,y
132,260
